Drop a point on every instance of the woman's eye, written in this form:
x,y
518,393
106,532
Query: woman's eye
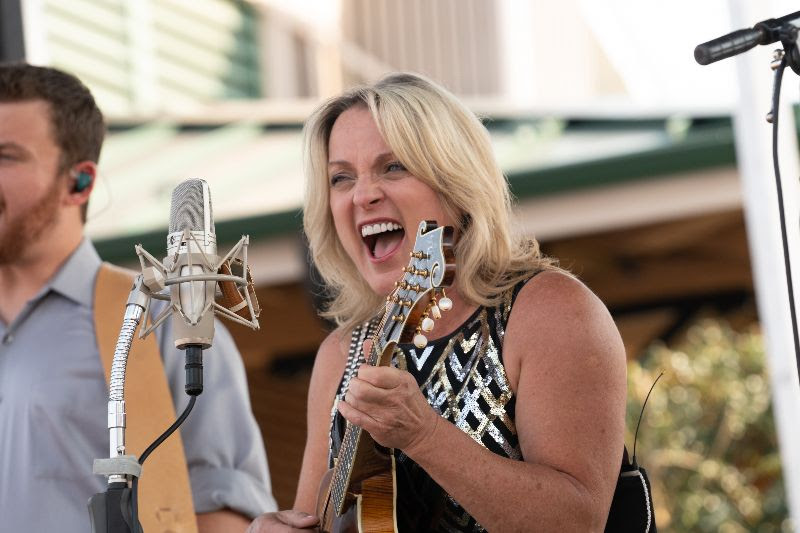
x,y
395,166
337,178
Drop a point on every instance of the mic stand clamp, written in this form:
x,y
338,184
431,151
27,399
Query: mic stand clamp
x,y
787,34
790,54
110,511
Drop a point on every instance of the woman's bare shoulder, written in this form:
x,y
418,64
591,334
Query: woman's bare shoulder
x,y
332,354
555,316
557,299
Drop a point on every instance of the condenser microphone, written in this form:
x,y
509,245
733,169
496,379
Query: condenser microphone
x,y
191,257
191,271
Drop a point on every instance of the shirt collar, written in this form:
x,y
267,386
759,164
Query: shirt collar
x,y
75,279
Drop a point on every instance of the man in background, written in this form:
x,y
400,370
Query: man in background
x,y
53,390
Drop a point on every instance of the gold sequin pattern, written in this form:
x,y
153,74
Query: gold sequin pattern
x,y
457,399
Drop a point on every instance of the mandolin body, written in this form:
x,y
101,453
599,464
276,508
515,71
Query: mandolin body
x,y
369,506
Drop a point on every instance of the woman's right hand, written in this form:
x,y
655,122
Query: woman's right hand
x,y
284,522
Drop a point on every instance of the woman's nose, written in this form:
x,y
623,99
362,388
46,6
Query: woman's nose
x,y
367,192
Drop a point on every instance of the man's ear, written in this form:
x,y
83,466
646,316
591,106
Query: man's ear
x,y
82,178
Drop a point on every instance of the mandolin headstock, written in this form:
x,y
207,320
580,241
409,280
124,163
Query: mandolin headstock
x,y
418,297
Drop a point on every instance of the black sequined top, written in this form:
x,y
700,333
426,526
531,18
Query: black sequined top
x,y
463,378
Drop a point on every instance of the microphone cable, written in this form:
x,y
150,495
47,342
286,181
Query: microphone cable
x,y
155,444
776,96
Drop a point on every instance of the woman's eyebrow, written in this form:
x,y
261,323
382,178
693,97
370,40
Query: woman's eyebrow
x,y
380,157
385,155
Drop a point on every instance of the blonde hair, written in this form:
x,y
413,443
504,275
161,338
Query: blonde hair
x,y
443,144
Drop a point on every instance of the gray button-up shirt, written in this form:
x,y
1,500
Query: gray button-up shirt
x,y
53,396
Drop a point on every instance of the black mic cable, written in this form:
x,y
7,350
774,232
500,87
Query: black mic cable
x,y
194,386
776,97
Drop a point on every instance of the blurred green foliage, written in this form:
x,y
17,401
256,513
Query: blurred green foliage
x,y
708,438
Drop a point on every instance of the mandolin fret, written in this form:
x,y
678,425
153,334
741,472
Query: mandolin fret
x,y
344,465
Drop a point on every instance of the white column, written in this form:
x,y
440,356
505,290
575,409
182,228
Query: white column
x,y
754,154
34,32
517,43
141,49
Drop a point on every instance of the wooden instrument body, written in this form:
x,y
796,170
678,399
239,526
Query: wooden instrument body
x,y
370,507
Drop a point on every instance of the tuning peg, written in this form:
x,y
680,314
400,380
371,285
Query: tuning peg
x,y
445,303
427,324
420,341
436,312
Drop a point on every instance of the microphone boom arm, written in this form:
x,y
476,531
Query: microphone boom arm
x,y
118,466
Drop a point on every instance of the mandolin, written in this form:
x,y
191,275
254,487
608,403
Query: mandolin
x,y
359,492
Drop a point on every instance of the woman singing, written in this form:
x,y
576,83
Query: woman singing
x,y
512,417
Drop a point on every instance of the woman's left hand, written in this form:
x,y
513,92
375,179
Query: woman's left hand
x,y
388,404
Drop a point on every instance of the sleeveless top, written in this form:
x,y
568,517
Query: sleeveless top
x,y
463,378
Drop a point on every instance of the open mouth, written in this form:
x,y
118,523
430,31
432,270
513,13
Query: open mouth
x,y
382,238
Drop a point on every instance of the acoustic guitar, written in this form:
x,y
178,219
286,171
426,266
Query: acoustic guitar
x,y
359,492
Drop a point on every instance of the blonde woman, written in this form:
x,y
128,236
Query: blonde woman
x,y
512,417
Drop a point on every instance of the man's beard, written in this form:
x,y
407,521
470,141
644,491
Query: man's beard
x,y
24,230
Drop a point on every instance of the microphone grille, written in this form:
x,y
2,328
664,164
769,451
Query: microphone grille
x,y
191,207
